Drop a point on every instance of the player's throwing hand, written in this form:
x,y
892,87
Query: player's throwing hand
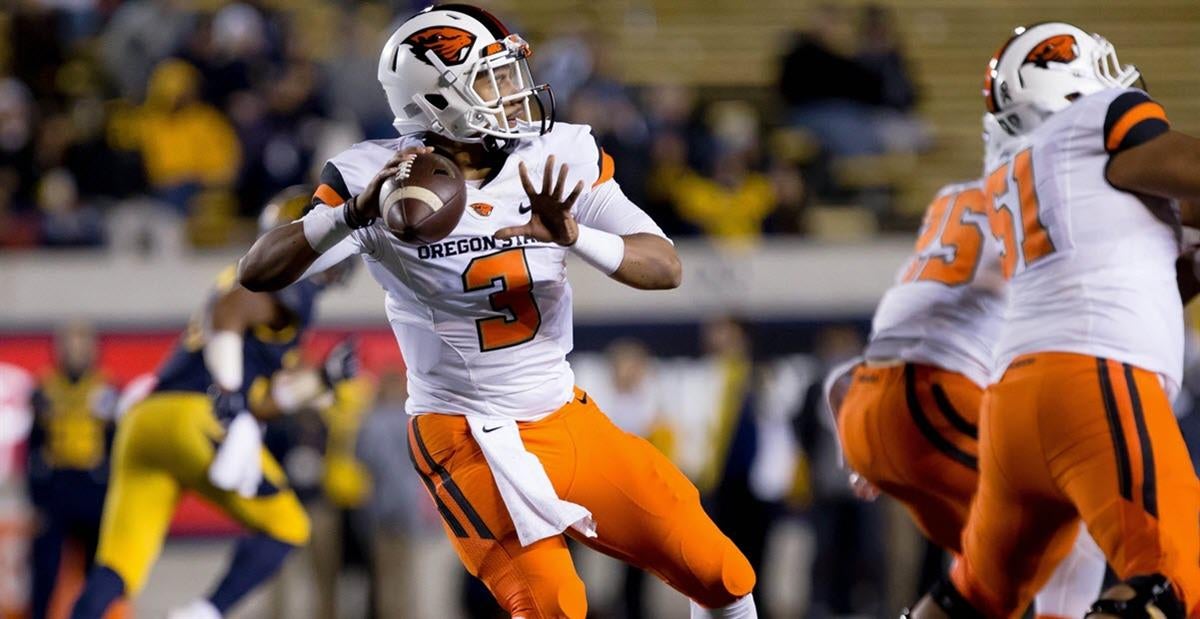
x,y
365,206
551,220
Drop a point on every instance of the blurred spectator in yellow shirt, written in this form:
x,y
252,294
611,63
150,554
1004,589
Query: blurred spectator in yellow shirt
x,y
732,204
708,173
186,145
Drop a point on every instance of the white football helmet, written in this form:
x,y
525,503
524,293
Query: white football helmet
x,y
433,65
1043,68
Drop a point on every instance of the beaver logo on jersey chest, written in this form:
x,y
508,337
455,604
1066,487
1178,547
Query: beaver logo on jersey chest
x,y
482,209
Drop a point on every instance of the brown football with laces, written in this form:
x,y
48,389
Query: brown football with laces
x,y
424,202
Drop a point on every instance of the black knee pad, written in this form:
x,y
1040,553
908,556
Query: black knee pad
x,y
951,601
1154,598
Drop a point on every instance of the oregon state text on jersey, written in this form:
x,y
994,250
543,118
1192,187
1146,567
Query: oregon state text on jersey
x,y
484,324
947,305
1092,267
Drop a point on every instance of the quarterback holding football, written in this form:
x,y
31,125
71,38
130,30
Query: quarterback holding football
x,y
513,454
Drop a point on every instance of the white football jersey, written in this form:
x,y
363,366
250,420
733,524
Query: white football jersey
x,y
1092,267
947,305
485,325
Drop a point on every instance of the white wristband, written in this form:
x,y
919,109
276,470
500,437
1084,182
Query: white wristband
x,y
223,358
325,227
603,250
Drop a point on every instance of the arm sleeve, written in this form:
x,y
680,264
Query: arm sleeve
x,y
332,189
346,248
1133,118
607,208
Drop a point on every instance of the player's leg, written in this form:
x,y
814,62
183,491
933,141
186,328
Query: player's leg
x,y
1133,482
1075,583
46,555
911,430
649,515
277,521
1094,438
529,582
1021,525
137,509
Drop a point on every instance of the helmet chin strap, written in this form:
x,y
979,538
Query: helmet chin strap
x,y
1141,82
542,109
493,144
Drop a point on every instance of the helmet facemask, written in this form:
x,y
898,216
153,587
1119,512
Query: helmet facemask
x,y
506,70
1109,69
473,103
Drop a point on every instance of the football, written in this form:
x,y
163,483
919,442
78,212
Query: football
x,y
424,203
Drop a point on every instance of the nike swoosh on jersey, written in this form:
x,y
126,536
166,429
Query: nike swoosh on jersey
x,y
525,208
492,429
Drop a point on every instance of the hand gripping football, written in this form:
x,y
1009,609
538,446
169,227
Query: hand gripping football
x,y
423,203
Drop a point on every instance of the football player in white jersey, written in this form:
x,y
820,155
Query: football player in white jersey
x,y
512,453
908,417
1078,425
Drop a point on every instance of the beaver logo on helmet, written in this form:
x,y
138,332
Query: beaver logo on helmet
x,y
449,43
1060,48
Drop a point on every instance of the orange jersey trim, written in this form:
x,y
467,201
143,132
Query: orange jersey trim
x,y
607,167
1143,111
328,195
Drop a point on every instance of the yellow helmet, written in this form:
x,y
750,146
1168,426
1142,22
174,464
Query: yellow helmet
x,y
285,207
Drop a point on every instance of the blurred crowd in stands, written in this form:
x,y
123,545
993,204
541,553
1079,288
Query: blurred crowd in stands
x,y
163,122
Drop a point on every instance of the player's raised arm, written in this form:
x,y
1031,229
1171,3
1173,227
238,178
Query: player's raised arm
x,y
629,248
276,259
1147,157
1167,166
281,256
236,310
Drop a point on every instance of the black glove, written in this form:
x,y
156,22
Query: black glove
x,y
227,404
342,362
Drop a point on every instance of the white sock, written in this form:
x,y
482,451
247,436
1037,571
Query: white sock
x,y
743,608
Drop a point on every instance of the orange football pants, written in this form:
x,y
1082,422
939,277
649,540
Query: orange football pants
x,y
910,429
646,512
1065,436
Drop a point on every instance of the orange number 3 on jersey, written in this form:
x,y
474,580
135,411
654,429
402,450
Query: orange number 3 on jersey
x,y
951,240
520,319
1035,242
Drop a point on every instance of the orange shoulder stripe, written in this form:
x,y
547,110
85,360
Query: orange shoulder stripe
x,y
1136,114
328,195
607,167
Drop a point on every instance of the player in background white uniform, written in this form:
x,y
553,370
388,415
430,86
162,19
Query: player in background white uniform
x,y
513,454
908,418
1079,424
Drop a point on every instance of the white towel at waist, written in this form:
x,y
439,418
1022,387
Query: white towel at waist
x,y
535,508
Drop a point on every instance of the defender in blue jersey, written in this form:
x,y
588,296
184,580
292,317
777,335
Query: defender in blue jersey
x,y
235,366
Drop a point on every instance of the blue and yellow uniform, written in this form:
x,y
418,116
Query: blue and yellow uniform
x,y
68,469
167,442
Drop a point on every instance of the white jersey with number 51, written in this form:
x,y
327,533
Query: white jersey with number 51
x,y
484,325
1092,267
